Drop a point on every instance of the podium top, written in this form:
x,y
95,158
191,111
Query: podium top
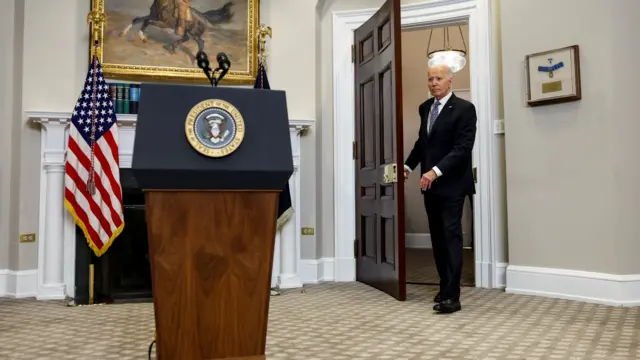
x,y
204,138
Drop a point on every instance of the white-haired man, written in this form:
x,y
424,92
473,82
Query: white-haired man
x,y
443,150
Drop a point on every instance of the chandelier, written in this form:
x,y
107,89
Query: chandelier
x,y
447,55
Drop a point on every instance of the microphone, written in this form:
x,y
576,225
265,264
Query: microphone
x,y
203,63
224,64
223,61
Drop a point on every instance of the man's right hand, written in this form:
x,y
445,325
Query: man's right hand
x,y
406,174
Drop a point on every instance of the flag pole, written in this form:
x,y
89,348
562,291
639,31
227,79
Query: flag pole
x,y
97,21
264,31
79,187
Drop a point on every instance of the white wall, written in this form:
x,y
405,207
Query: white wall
x,y
572,169
12,254
7,13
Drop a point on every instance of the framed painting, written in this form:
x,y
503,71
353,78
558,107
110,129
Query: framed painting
x,y
157,40
553,76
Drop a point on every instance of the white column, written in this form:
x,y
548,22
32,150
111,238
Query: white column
x,y
294,185
51,258
275,266
53,235
289,236
289,277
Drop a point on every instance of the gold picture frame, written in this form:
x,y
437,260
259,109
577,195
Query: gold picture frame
x,y
553,77
153,61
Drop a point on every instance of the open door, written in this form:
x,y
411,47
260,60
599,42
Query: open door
x,y
378,152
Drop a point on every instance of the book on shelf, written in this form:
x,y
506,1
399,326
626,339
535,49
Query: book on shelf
x,y
126,97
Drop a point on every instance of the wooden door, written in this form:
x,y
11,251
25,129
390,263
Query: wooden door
x,y
378,151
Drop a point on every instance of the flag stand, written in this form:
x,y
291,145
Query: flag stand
x,y
96,20
91,276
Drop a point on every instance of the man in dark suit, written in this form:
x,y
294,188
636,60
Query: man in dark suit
x,y
443,150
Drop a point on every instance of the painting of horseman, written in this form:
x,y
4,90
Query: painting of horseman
x,y
159,39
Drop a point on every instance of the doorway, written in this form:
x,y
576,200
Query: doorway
x,y
429,13
416,42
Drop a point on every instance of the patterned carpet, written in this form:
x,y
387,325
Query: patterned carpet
x,y
337,321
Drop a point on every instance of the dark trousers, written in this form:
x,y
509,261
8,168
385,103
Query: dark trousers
x,y
445,224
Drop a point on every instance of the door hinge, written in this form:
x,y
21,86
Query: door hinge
x,y
355,248
355,150
475,175
353,53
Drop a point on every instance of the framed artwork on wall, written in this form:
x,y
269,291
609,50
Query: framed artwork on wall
x,y
553,76
157,40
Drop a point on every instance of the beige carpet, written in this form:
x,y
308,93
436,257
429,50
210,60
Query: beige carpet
x,y
346,321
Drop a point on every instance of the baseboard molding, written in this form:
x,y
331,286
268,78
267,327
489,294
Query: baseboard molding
x,y
18,284
345,269
315,271
599,288
417,240
501,275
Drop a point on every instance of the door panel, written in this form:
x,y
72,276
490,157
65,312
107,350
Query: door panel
x,y
378,132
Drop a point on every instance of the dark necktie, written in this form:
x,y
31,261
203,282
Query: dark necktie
x,y
434,115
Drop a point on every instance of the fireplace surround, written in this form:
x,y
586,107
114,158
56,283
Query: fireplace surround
x,y
58,235
123,273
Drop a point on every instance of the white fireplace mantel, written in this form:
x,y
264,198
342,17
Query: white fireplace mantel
x,y
56,248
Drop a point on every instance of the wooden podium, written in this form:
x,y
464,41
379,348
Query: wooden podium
x,y
211,220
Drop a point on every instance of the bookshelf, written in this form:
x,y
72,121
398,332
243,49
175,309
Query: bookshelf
x,y
126,96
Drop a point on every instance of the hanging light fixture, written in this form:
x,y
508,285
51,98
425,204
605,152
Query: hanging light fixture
x,y
447,55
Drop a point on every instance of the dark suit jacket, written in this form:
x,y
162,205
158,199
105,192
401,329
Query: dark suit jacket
x,y
448,146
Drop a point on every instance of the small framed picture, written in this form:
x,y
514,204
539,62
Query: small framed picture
x,y
553,76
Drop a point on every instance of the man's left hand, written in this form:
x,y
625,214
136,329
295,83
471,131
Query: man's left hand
x,y
427,179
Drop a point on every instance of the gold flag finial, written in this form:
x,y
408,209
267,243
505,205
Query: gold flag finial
x,y
97,21
263,32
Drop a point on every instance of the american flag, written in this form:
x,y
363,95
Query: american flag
x,y
93,194
285,208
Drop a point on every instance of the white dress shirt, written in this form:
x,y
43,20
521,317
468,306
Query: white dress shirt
x,y
443,101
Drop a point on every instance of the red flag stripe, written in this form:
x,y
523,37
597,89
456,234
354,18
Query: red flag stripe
x,y
83,173
91,234
112,140
110,161
109,194
83,197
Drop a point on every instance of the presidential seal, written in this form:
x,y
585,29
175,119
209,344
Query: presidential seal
x,y
214,128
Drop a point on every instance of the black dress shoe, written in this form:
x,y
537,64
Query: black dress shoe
x,y
437,299
448,306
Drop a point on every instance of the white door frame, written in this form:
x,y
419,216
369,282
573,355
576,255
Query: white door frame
x,y
483,94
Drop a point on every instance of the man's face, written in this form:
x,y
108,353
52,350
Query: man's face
x,y
439,81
